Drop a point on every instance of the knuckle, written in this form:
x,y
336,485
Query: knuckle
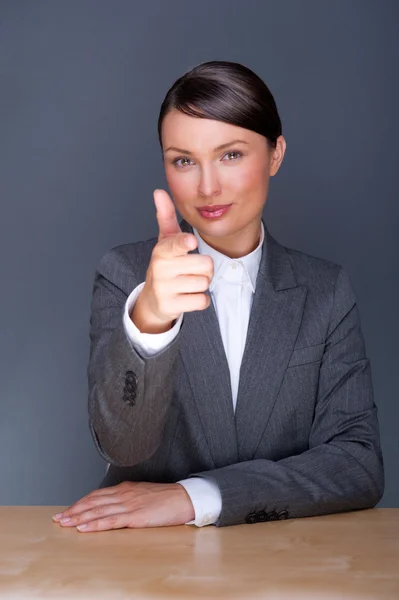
x,y
98,510
180,239
167,245
205,282
208,263
124,485
203,301
209,260
160,248
200,283
156,267
112,520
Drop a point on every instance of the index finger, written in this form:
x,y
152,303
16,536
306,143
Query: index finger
x,y
166,214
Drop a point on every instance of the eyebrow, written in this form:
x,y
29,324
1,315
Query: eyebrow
x,y
221,147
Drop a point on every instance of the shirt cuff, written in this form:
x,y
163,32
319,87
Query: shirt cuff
x,y
147,344
206,498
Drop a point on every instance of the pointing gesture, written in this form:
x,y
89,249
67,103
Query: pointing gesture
x,y
176,281
171,239
166,214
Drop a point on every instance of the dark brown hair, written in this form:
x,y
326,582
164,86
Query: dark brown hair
x,y
228,92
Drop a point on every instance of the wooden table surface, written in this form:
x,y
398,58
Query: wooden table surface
x,y
346,556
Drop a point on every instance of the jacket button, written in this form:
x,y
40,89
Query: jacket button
x,y
252,518
131,378
272,516
129,400
283,515
130,389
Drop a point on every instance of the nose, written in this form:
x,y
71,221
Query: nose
x,y
209,184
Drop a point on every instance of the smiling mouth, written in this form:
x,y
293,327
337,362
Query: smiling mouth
x,y
213,212
213,207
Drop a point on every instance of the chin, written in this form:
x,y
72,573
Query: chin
x,y
217,229
225,226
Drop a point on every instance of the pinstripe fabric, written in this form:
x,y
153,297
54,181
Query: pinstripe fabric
x,y
304,438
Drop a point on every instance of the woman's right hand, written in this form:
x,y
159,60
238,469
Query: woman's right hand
x,y
176,281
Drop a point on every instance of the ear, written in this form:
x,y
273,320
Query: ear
x,y
277,155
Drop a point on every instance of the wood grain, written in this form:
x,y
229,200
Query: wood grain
x,y
337,557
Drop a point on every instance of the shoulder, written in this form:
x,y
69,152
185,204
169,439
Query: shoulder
x,y
132,254
126,265
300,267
322,277
312,270
325,280
330,295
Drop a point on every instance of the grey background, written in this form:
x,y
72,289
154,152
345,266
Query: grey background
x,y
81,83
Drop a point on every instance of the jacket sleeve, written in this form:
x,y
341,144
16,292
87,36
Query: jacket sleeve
x,y
342,469
129,396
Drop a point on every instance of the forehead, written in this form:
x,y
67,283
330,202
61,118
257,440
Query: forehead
x,y
197,134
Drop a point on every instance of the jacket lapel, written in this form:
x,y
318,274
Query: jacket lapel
x,y
207,369
275,318
273,327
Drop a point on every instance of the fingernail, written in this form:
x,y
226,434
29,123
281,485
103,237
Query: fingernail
x,y
65,520
57,516
80,527
188,241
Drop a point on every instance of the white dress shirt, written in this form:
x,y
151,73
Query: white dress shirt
x,y
231,290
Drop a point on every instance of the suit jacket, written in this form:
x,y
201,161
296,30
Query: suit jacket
x,y
304,439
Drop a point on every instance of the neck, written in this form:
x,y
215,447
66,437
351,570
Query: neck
x,y
237,244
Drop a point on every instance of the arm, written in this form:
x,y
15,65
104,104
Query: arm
x,y
129,396
126,414
342,469
204,494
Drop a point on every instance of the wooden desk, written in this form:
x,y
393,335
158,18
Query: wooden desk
x,y
348,556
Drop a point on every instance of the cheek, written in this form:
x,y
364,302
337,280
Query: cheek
x,y
181,185
246,178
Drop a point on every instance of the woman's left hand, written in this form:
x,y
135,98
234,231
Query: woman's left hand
x,y
129,504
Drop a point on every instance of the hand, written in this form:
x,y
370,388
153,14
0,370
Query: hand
x,y
130,504
176,281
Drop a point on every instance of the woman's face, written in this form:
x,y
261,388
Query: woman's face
x,y
210,164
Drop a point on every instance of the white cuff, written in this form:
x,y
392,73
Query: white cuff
x,y
147,344
206,498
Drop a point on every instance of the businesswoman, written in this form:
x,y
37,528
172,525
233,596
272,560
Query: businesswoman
x,y
228,377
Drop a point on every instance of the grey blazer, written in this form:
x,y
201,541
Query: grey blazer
x,y
304,439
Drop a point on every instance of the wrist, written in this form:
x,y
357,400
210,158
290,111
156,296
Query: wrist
x,y
189,512
145,320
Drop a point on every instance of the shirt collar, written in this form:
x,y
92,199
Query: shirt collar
x,y
250,261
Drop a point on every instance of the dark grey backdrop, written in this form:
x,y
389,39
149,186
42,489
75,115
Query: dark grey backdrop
x,y
81,85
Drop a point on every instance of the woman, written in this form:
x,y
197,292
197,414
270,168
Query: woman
x,y
228,376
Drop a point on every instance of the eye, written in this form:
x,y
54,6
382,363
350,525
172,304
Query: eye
x,y
232,155
182,161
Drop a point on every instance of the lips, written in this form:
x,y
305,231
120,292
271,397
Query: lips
x,y
213,207
214,211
